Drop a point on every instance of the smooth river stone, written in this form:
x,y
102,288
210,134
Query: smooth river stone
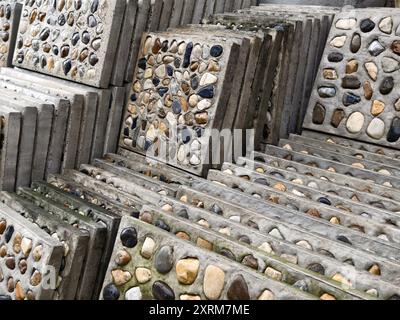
x,y
213,283
335,57
390,65
162,291
346,24
367,25
164,260
238,289
187,270
355,43
327,92
377,108
339,41
337,117
387,85
368,91
355,122
133,294
319,114
396,47
372,70
394,131
330,74
386,25
376,48
376,129
111,292
351,82
129,237
352,66
350,98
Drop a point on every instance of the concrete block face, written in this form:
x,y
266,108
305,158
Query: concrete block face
x,y
188,146
74,40
33,252
72,241
362,110
10,133
10,14
147,249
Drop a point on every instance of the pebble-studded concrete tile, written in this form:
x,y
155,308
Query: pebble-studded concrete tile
x,y
70,39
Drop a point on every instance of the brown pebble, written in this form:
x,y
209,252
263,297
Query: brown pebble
x,y
314,212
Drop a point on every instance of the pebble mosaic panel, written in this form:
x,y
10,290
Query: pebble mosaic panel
x,y
27,254
10,13
175,97
149,263
71,39
355,92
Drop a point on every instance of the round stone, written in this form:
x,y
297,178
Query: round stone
x,y
390,65
187,270
355,122
148,248
327,92
355,43
351,82
213,283
143,275
238,289
120,277
330,74
324,201
387,85
216,51
273,274
133,294
376,48
317,268
350,98
367,25
164,260
111,292
335,57
346,23
368,91
377,108
266,295
129,237
162,291
337,117
386,25
122,258
339,41
318,114
394,131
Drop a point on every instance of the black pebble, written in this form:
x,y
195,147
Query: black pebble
x,y
162,291
343,239
367,25
162,225
8,233
324,201
216,51
129,237
110,292
317,268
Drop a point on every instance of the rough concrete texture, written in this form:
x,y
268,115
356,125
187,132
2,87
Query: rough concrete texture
x,y
27,254
82,56
353,96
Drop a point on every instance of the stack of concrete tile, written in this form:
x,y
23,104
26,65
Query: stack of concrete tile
x,y
301,34
337,3
158,15
242,215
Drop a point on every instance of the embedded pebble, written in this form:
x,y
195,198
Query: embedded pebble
x,y
187,270
213,282
238,289
133,294
355,122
